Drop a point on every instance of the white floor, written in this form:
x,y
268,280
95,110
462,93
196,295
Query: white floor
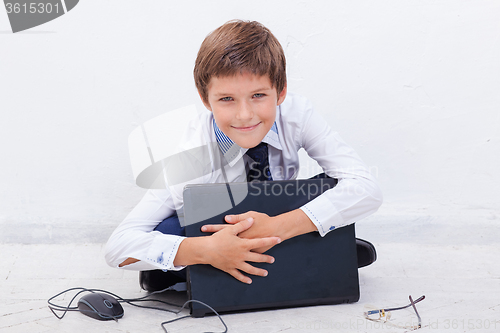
x,y
452,259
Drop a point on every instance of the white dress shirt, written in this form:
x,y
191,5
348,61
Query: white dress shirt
x,y
297,125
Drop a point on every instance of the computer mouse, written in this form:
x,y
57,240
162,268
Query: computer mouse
x,y
100,306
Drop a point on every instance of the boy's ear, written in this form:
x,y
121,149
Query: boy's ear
x,y
282,96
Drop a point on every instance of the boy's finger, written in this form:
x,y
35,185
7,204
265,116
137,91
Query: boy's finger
x,y
240,277
236,218
241,226
247,268
263,242
257,257
213,227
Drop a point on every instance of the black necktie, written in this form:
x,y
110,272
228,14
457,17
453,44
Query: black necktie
x,y
259,167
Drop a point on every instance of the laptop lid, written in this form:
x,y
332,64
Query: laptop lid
x,y
308,270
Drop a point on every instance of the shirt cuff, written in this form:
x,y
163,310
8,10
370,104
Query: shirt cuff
x,y
323,214
163,250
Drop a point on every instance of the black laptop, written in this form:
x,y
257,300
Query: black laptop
x,y
308,270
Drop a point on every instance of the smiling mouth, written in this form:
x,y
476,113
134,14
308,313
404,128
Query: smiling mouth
x,y
246,129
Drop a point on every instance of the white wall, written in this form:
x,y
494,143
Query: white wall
x,y
413,86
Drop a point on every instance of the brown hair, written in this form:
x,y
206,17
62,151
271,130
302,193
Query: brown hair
x,y
238,46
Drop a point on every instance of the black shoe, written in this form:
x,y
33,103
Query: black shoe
x,y
366,252
158,280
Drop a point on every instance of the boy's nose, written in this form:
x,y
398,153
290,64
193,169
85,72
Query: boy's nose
x,y
244,112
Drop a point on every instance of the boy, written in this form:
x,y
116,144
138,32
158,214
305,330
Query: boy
x,y
240,76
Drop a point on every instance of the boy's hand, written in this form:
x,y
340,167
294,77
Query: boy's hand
x,y
230,253
284,226
263,226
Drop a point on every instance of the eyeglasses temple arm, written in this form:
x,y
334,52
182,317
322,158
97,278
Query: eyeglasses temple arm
x,y
415,308
421,298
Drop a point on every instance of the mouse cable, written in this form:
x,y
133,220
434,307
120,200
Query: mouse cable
x,y
194,301
144,298
54,307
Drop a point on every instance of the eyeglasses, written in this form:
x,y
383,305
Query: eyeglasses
x,y
384,315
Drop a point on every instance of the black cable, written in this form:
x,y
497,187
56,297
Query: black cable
x,y
54,307
194,301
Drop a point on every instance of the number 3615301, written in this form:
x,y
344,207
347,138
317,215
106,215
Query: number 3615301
x,y
32,8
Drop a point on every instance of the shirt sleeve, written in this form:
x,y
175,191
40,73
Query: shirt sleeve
x,y
357,193
135,238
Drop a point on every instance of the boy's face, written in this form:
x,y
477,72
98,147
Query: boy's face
x,y
244,106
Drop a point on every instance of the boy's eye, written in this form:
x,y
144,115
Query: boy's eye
x,y
226,99
258,95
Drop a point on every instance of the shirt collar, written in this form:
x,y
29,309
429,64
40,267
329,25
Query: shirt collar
x,y
232,152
